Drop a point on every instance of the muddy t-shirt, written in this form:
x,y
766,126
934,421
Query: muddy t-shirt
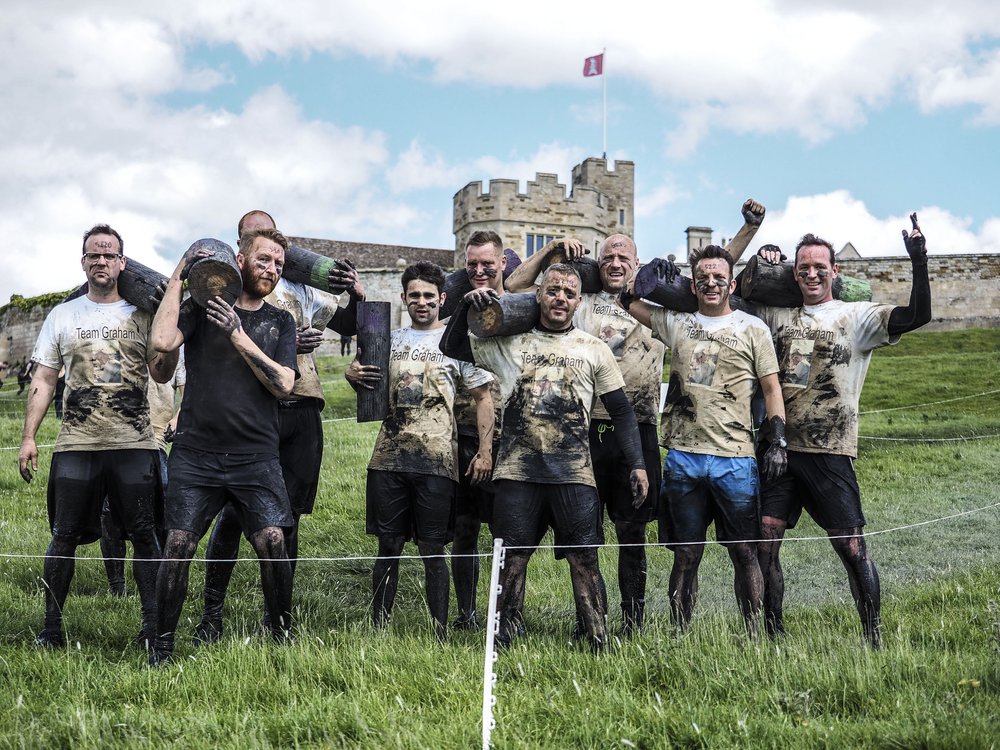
x,y
549,383
162,401
715,364
638,354
418,435
226,409
310,307
824,351
103,347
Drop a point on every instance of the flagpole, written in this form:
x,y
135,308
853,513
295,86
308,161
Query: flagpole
x,y
604,70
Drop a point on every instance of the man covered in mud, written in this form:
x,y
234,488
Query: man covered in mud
x,y
549,378
105,445
710,472
240,360
300,425
414,469
822,407
640,359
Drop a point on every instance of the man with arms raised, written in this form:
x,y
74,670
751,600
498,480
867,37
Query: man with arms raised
x,y
240,360
822,408
414,470
710,472
300,426
549,378
105,444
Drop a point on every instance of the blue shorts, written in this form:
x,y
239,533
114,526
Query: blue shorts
x,y
698,489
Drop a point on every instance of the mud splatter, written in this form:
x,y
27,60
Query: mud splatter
x,y
840,355
80,404
679,403
133,406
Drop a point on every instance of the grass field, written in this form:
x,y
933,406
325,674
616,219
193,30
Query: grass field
x,y
936,683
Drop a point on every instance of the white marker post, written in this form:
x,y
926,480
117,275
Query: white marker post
x,y
492,629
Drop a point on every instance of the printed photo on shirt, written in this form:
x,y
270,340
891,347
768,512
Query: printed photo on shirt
x,y
107,367
614,338
704,359
796,370
550,394
410,389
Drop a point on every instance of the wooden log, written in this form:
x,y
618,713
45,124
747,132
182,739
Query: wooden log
x,y
676,295
374,343
508,315
306,267
456,286
141,285
215,276
590,274
775,285
137,284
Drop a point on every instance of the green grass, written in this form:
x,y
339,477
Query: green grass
x,y
936,684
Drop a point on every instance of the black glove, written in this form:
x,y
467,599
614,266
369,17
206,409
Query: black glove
x,y
776,458
916,245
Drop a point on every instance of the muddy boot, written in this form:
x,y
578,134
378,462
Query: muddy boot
x,y
162,652
209,630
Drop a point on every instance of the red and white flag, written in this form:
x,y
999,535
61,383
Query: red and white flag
x,y
593,66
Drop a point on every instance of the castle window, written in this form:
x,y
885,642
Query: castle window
x,y
536,242
621,216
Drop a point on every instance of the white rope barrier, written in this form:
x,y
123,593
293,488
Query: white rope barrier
x,y
930,403
446,555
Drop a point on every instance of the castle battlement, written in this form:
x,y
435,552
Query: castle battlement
x,y
599,203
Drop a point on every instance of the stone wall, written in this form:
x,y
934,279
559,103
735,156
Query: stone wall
x,y
965,289
19,330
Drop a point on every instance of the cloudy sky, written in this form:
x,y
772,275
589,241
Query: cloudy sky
x,y
359,121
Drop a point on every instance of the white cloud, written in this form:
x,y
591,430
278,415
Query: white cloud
x,y
840,218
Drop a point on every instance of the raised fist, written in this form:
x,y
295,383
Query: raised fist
x,y
753,212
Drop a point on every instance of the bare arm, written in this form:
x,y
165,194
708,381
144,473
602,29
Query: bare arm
x,y
482,463
523,277
162,366
278,379
165,336
40,395
753,216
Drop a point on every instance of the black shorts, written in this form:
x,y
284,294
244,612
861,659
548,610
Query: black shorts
x,y
300,451
611,472
414,506
80,481
201,483
822,483
473,499
523,511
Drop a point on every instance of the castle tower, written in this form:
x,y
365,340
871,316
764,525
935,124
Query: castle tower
x,y
599,204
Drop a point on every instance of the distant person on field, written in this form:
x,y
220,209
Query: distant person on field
x,y
345,346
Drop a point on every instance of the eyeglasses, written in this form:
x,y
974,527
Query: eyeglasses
x,y
107,257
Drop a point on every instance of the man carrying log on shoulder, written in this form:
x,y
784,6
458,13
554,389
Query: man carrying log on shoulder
x,y
300,425
836,339
240,360
710,472
485,263
414,469
549,377
105,445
